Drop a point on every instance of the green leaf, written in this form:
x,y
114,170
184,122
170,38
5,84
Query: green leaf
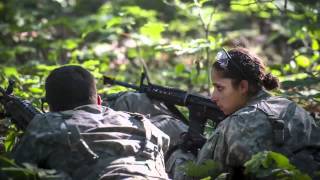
x,y
281,160
10,138
91,64
10,71
136,11
208,168
35,90
268,164
303,61
315,45
153,30
70,44
1,6
114,21
179,68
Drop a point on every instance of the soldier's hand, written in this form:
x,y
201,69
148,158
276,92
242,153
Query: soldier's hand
x,y
197,114
191,143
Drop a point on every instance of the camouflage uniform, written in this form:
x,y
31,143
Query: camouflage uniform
x,y
252,129
160,116
94,142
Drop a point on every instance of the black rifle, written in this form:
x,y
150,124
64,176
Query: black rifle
x,y
21,112
202,108
172,96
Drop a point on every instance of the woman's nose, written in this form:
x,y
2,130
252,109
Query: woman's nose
x,y
214,97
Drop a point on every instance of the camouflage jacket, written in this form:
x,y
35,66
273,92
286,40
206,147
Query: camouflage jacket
x,y
251,130
160,116
94,142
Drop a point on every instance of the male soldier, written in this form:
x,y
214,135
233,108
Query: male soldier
x,y
162,118
88,141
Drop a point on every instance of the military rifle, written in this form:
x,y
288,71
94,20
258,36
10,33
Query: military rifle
x,y
20,111
172,97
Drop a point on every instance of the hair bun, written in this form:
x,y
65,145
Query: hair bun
x,y
270,82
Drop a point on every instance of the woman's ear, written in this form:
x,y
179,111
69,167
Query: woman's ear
x,y
244,86
99,100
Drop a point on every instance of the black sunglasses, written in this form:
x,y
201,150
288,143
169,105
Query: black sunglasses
x,y
224,58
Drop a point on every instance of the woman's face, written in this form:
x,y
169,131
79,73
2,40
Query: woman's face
x,y
228,98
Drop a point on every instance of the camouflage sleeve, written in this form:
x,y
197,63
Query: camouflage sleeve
x,y
214,145
245,135
32,147
236,139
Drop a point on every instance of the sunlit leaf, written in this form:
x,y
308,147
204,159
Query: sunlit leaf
x,y
179,68
114,21
10,71
303,61
35,90
10,138
46,67
71,44
153,30
315,45
139,12
91,64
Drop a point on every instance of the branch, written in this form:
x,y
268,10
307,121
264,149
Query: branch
x,y
285,6
248,4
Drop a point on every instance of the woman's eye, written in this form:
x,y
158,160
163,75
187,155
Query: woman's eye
x,y
219,88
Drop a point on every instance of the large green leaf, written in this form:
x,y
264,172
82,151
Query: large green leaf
x,y
153,30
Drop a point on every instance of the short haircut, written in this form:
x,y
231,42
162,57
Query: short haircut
x,y
68,87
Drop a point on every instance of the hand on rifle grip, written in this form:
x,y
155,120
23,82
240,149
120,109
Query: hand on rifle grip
x,y
190,143
197,114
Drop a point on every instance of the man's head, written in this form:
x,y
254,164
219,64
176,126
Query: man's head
x,y
70,86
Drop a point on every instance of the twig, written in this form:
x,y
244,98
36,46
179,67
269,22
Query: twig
x,y
248,4
206,27
285,6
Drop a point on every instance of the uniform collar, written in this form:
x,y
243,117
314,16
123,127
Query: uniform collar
x,y
92,108
262,94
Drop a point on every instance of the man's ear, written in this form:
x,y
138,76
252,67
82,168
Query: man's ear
x,y
244,86
99,100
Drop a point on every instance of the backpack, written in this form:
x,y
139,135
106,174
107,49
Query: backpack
x,y
295,133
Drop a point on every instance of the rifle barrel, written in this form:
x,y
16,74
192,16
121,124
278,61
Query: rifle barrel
x,y
111,81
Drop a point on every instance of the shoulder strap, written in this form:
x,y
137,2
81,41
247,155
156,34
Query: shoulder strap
x,y
76,143
278,120
152,142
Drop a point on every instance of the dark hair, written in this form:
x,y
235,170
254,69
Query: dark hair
x,y
68,87
253,68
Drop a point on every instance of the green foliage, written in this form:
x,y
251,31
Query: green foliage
x,y
272,165
11,137
10,170
208,169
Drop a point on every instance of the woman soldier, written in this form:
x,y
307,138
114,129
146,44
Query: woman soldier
x,y
256,120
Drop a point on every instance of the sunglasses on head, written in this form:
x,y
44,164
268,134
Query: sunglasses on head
x,y
224,58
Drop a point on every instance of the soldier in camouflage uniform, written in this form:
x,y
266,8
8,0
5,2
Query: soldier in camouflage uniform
x,y
256,120
160,116
85,140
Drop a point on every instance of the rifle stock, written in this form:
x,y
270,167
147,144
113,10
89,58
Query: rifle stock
x,y
20,111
